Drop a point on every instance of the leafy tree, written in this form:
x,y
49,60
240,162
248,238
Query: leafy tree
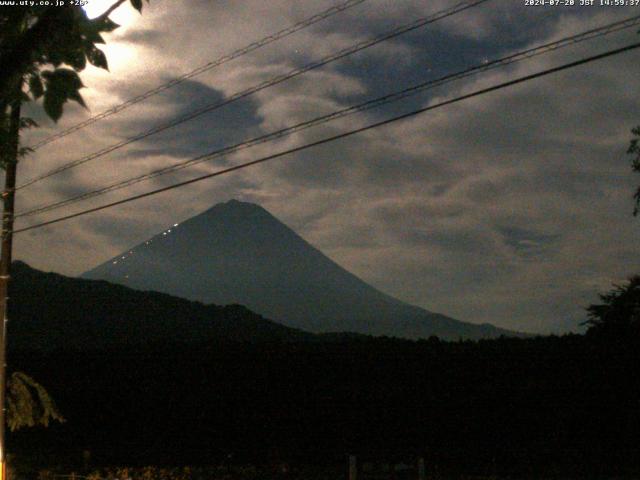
x,y
28,403
634,149
617,318
42,49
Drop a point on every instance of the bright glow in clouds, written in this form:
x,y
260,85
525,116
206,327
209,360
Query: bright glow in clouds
x,y
119,55
124,15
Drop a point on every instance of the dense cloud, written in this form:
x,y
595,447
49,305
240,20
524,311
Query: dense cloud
x,y
512,208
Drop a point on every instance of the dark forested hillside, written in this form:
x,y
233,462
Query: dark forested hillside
x,y
50,311
146,378
513,405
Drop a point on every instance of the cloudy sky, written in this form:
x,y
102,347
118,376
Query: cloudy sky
x,y
512,208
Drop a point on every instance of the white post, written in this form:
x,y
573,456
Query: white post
x,y
353,468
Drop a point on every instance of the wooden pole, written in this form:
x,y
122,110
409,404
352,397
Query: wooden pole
x,y
421,469
8,198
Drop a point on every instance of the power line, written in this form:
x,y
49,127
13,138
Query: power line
x,y
421,22
349,133
587,35
266,84
203,68
377,102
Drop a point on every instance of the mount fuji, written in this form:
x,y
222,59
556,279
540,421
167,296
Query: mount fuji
x,y
238,253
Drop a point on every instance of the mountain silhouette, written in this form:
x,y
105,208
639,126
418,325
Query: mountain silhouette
x,y
238,253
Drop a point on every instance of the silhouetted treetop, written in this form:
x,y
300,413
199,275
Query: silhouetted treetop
x,y
634,149
618,316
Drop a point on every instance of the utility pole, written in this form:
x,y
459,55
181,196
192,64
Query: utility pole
x,y
353,467
8,198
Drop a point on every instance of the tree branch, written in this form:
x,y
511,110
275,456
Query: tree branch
x,y
110,10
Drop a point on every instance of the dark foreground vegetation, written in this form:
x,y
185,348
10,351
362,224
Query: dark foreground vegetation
x,y
554,405
149,379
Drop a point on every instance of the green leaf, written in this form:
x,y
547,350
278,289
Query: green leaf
x,y
28,403
137,4
26,122
63,78
105,25
35,86
76,59
24,151
53,105
61,85
90,32
98,58
77,97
